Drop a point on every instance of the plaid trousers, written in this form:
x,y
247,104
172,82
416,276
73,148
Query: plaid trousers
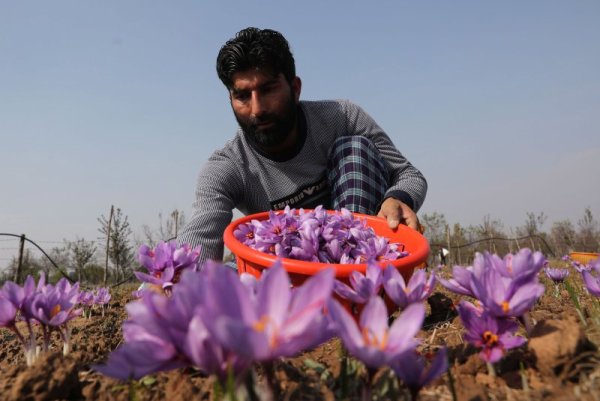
x,y
356,174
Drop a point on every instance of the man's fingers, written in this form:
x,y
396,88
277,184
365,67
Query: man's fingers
x,y
396,212
392,215
412,221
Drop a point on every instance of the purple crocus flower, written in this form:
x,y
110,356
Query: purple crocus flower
x,y
102,296
503,295
372,341
377,249
86,298
418,289
362,287
579,267
524,265
54,305
245,234
491,334
8,312
460,282
274,321
411,368
166,262
11,300
164,333
591,266
592,283
556,274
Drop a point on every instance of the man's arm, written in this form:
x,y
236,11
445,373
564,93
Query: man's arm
x,y
408,186
216,189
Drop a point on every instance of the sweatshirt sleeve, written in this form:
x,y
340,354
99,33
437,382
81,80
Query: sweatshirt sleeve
x,y
217,187
406,182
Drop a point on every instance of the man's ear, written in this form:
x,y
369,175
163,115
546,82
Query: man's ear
x,y
296,86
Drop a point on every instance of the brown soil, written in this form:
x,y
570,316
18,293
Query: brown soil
x,y
559,362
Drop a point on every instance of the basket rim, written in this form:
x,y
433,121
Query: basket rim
x,y
413,259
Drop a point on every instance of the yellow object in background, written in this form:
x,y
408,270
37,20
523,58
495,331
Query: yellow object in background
x,y
583,257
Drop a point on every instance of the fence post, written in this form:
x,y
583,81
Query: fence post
x,y
175,216
17,277
108,243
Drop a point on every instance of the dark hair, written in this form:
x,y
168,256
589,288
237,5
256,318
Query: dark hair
x,y
264,49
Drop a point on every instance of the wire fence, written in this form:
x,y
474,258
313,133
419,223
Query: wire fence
x,y
24,238
456,256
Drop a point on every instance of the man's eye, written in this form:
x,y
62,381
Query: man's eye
x,y
269,88
241,96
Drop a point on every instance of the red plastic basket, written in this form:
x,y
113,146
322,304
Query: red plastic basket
x,y
254,262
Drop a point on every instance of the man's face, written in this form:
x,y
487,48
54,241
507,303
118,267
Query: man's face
x,y
265,106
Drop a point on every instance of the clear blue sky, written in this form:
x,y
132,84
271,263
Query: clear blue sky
x,y
118,102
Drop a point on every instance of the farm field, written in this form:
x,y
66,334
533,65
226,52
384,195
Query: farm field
x,y
560,360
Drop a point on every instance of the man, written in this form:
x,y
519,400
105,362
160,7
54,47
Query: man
x,y
292,152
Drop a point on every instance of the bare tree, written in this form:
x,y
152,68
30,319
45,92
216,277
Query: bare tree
x,y
82,252
60,256
435,227
532,227
492,229
563,237
120,251
458,238
588,236
167,228
29,266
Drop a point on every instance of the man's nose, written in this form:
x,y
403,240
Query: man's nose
x,y
257,104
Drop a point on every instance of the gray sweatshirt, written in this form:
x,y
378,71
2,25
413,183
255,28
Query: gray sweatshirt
x,y
239,176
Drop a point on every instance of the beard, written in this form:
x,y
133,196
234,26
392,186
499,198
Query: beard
x,y
278,130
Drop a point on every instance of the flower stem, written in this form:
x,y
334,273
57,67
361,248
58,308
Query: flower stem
x,y
367,394
526,320
272,384
491,370
451,383
343,372
249,381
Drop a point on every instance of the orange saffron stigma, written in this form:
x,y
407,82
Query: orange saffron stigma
x,y
55,311
261,324
505,307
490,339
372,340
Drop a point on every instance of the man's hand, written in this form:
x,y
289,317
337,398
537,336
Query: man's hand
x,y
397,212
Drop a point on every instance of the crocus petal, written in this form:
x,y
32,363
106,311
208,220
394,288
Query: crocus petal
x,y
591,283
374,274
405,327
138,359
438,366
346,292
146,278
242,339
8,313
524,299
347,328
491,355
308,302
374,317
274,294
395,286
